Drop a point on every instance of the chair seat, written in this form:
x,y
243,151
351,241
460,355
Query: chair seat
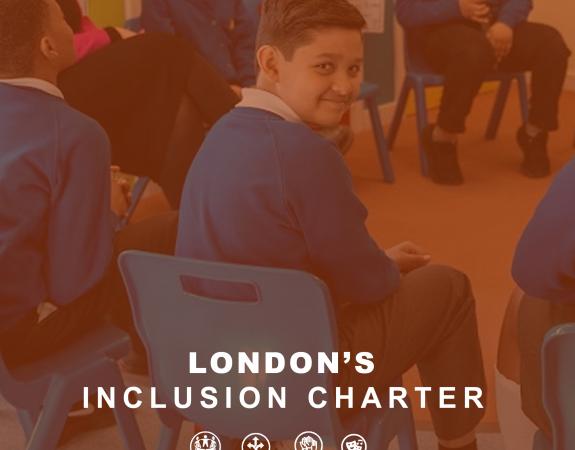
x,y
430,78
368,90
108,341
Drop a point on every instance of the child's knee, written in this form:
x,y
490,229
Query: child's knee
x,y
475,55
447,285
554,44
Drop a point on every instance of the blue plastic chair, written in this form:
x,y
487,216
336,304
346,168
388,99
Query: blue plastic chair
x,y
290,312
558,374
369,93
43,392
419,76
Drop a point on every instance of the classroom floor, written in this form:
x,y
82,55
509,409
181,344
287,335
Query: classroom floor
x,y
473,227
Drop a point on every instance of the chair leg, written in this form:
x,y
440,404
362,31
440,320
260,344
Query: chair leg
x,y
421,115
523,97
51,420
398,114
382,153
128,428
498,107
27,420
127,425
540,442
407,437
169,435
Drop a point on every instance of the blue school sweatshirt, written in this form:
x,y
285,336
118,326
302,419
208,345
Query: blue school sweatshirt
x,y
544,262
55,220
418,13
268,192
221,30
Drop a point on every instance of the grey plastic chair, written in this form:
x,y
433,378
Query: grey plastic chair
x,y
290,312
558,370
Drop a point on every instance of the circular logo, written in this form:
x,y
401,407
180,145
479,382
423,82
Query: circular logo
x,y
205,440
308,440
256,441
353,442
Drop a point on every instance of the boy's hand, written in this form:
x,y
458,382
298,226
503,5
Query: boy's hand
x,y
408,256
500,36
475,10
119,193
125,33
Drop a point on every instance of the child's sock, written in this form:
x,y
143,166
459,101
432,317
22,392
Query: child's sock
x,y
439,135
470,446
531,130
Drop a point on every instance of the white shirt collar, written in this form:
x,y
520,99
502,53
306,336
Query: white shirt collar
x,y
258,98
34,83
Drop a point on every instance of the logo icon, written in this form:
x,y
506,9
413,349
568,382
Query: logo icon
x,y
353,442
256,441
308,440
205,440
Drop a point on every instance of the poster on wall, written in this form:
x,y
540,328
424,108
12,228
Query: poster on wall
x,y
374,13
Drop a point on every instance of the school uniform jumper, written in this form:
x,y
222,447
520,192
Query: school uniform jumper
x,y
266,190
56,225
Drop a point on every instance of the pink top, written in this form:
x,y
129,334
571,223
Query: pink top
x,y
89,39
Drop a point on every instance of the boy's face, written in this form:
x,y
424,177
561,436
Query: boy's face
x,y
323,77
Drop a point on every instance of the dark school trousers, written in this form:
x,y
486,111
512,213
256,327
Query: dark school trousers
x,y
154,94
32,339
461,52
430,322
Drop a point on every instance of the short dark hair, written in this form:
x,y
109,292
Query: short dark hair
x,y
22,23
286,24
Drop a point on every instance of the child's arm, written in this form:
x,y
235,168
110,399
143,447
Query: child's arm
x,y
514,12
417,13
156,17
319,190
544,262
243,45
80,232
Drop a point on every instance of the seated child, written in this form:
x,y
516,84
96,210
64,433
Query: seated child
x,y
221,30
465,40
543,268
285,199
154,95
57,242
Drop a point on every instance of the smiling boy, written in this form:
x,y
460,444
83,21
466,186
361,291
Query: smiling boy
x,y
266,190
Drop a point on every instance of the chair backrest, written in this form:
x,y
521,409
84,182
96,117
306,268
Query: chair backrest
x,y
558,362
292,313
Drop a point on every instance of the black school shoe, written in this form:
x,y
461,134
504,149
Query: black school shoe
x,y
535,159
442,159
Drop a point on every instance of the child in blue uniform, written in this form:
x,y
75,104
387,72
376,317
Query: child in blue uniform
x,y
284,198
465,40
59,201
221,30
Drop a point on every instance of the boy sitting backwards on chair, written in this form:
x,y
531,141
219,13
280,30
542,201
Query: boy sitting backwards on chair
x,y
266,190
